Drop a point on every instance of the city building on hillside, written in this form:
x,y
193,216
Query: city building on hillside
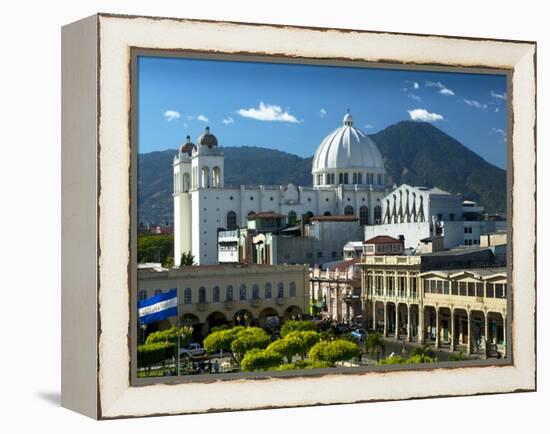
x,y
417,213
463,308
353,249
215,295
335,291
348,179
316,240
383,245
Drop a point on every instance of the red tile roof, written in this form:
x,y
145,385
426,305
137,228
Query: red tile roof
x,y
344,265
382,239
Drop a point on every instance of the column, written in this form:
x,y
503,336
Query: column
x,y
452,329
437,327
504,334
385,319
374,314
469,349
396,320
421,324
408,322
486,325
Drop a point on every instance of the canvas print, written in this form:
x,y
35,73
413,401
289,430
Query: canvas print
x,y
293,217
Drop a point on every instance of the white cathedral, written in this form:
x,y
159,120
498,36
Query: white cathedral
x,y
348,179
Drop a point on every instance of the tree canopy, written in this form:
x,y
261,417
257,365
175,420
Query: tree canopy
x,y
334,351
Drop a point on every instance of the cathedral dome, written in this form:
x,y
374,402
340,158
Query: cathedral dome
x,y
207,139
188,147
347,148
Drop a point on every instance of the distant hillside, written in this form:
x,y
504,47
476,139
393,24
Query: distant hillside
x,y
415,153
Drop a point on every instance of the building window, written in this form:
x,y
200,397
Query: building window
x,y
345,178
158,291
319,254
255,292
334,254
292,218
231,221
359,178
377,214
216,294
202,294
348,210
268,290
229,293
363,215
280,290
354,178
187,296
142,295
341,178
292,289
242,292
379,179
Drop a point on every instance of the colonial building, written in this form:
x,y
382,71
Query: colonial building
x,y
418,299
213,295
336,290
348,179
417,213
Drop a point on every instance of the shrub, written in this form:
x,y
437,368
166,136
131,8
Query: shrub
x,y
458,357
295,326
307,339
221,340
334,351
287,347
249,338
154,354
414,359
170,336
393,360
260,360
303,364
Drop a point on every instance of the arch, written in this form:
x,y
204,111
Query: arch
x,y
242,292
292,289
216,294
377,214
255,292
205,177
327,213
269,319
242,317
363,215
280,290
216,177
348,210
216,319
186,182
293,313
202,294
250,215
292,218
229,293
268,291
231,221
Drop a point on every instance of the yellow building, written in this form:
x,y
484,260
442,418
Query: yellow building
x,y
460,308
213,295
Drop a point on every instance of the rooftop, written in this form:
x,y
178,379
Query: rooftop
x,y
266,215
457,251
335,218
382,239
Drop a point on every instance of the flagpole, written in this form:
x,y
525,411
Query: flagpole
x,y
178,333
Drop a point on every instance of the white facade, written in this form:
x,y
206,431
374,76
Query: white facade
x,y
202,205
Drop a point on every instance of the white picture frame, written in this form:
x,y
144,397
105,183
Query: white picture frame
x,y
96,253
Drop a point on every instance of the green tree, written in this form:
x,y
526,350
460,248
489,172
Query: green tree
x,y
247,339
423,352
169,262
307,340
155,248
221,340
287,347
334,351
257,359
187,260
293,326
169,336
375,345
154,354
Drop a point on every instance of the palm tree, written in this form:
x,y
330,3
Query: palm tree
x,y
423,353
375,345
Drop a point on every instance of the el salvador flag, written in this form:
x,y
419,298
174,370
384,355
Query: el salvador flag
x,y
158,307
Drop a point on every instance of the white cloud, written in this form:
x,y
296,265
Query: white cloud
x,y
415,85
170,115
268,112
497,109
414,96
322,112
443,90
500,132
228,120
202,118
369,127
446,92
496,95
424,115
474,103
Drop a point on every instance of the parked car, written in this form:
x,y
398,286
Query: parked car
x,y
193,350
359,334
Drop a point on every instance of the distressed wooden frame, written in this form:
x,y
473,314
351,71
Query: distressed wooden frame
x,y
97,213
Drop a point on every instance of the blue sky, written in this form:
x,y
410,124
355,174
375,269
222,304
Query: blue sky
x,y
293,107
